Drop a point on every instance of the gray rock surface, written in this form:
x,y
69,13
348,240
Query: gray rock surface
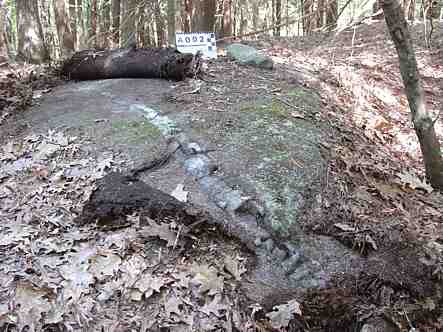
x,y
264,174
247,55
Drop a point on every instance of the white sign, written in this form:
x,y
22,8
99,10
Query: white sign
x,y
194,42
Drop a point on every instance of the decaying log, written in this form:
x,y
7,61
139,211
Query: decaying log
x,y
165,63
118,195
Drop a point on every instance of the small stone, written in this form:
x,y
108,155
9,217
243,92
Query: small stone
x,y
269,245
292,263
279,253
258,242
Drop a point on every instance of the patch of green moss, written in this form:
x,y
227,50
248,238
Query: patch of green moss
x,y
274,109
134,131
304,98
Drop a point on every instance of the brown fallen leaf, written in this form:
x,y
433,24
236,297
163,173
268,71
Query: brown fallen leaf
x,y
208,279
234,267
282,314
215,307
161,231
172,306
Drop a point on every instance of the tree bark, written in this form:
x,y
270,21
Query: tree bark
x,y
171,22
3,40
204,16
320,13
73,21
115,22
227,18
187,15
332,14
278,7
31,44
63,25
81,32
255,15
277,18
130,63
411,10
423,123
141,26
307,17
159,24
105,23
93,31
128,24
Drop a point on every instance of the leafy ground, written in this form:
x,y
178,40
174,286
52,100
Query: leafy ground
x,y
158,275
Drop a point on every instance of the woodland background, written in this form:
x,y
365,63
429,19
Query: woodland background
x,y
41,30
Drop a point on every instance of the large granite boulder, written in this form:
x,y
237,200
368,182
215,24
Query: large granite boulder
x,y
247,55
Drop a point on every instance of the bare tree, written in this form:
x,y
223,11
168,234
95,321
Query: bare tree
x,y
73,20
187,15
64,32
423,123
141,26
227,18
409,8
81,32
204,16
105,23
159,24
255,14
320,13
93,30
277,17
3,41
332,14
128,24
116,22
308,14
31,45
171,22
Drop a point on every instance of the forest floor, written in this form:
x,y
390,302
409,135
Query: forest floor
x,y
378,204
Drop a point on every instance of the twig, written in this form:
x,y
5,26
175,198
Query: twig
x,y
177,237
287,103
438,116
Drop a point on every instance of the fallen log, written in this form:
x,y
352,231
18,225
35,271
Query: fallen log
x,y
118,195
165,63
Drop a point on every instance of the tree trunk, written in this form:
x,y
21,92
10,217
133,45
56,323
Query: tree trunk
x,y
93,31
81,32
31,45
411,11
255,15
227,18
128,26
73,21
307,17
273,14
116,22
159,24
320,13
331,14
423,123
147,41
3,41
105,23
277,17
131,63
171,22
63,25
141,24
187,15
204,16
